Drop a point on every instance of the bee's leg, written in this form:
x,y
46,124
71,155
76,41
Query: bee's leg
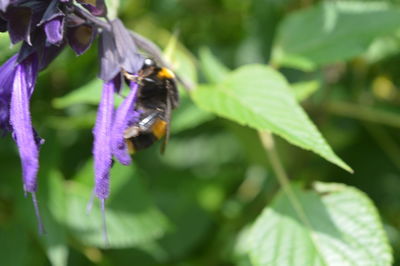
x,y
131,132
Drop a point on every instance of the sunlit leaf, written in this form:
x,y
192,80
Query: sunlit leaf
x,y
188,115
260,97
339,226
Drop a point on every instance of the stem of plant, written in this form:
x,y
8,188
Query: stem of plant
x,y
283,179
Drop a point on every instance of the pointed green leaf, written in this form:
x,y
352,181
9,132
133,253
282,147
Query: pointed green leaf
x,y
188,115
260,97
342,227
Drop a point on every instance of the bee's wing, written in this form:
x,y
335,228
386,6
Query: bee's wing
x,y
173,93
168,120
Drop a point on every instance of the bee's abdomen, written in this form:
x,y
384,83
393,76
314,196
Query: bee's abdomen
x,y
147,138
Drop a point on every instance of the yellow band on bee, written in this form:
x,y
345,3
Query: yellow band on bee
x,y
159,128
131,147
165,73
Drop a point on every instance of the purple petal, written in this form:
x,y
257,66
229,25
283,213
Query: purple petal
x,y
54,30
102,141
125,116
20,118
4,4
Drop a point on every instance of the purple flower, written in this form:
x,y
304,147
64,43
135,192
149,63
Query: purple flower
x,y
102,146
45,27
125,116
28,142
109,139
102,140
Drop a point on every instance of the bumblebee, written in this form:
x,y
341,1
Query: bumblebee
x,y
157,97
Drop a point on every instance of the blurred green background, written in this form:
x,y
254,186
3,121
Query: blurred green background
x,y
188,206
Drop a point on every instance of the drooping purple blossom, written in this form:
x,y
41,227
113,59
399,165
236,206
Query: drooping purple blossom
x,y
24,134
20,119
102,141
102,146
45,28
125,116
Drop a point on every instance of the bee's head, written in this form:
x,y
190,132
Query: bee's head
x,y
148,62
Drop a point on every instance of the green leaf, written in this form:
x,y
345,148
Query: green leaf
x,y
90,93
303,90
14,244
332,31
260,97
132,219
54,217
383,48
213,70
51,195
342,227
188,115
87,94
